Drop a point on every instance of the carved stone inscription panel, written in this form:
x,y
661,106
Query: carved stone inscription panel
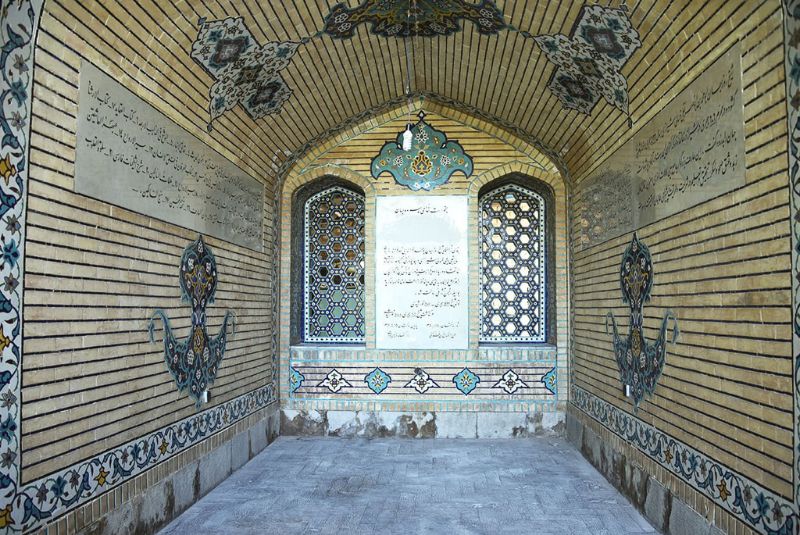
x,y
131,155
421,272
690,152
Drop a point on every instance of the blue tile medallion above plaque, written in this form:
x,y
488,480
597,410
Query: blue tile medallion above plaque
x,y
428,162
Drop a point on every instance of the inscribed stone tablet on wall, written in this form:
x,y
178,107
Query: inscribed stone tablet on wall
x,y
131,155
421,272
690,152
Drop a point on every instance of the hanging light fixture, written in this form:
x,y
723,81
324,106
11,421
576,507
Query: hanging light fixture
x,y
408,135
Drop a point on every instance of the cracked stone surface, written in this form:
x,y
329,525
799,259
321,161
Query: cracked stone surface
x,y
323,485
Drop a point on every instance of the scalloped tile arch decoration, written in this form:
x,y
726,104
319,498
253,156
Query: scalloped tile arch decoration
x,y
430,161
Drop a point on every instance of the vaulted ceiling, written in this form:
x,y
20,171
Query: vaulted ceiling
x,y
571,77
335,62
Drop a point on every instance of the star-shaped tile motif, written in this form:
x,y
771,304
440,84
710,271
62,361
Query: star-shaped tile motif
x,y
510,382
334,381
421,382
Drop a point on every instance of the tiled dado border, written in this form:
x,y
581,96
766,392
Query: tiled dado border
x,y
746,500
484,380
129,469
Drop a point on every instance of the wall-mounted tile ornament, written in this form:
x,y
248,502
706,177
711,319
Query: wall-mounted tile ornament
x,y
640,361
466,381
589,61
510,382
335,382
421,382
295,380
413,18
429,162
355,380
378,380
245,72
195,361
550,380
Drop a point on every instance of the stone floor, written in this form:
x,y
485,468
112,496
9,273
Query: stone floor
x,y
327,485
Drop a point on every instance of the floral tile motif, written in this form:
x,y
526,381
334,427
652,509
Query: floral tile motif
x,y
550,380
334,382
378,380
766,512
589,61
19,21
510,382
246,73
640,362
428,18
56,494
430,161
421,382
195,361
466,381
295,380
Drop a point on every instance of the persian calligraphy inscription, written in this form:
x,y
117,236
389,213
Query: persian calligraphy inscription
x,y
421,272
690,152
131,155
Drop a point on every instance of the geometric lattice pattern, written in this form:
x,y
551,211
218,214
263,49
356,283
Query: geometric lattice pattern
x,y
513,265
334,267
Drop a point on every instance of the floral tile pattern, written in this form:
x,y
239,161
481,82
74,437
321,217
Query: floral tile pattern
x,y
640,362
246,73
195,361
418,18
510,382
766,512
430,161
589,61
19,20
466,381
378,380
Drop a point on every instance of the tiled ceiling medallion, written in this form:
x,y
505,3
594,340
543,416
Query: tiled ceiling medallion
x,y
589,61
413,18
245,72
428,162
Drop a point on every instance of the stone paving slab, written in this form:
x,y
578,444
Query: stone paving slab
x,y
539,486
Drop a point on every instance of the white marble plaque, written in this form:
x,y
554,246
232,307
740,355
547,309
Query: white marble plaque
x,y
131,155
690,152
421,272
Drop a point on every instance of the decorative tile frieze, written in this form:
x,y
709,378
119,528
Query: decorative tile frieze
x,y
748,501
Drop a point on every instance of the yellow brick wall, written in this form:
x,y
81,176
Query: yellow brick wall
x,y
94,273
723,266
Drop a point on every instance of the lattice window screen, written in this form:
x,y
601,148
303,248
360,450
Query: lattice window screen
x,y
512,265
334,267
